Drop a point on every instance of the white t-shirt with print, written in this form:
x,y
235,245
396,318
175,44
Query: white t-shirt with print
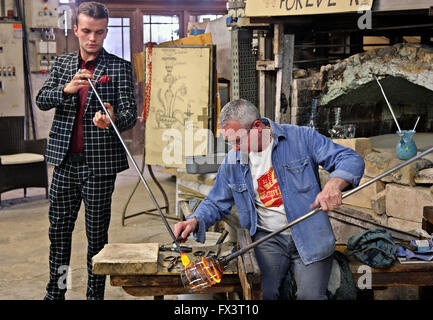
x,y
271,214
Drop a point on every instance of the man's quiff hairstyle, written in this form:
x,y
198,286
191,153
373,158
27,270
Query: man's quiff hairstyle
x,y
92,9
241,110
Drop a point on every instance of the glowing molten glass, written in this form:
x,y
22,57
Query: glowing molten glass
x,y
202,274
185,260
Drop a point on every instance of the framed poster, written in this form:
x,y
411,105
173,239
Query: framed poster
x,y
181,103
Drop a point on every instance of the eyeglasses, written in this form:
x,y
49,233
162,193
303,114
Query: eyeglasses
x,y
238,140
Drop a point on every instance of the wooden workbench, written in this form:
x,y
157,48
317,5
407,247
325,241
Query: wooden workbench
x,y
139,275
398,275
418,274
243,275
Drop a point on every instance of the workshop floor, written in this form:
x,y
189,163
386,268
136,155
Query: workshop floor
x,y
24,242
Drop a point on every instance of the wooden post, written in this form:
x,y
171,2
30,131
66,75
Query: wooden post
x,y
248,268
427,221
262,75
278,56
287,75
427,225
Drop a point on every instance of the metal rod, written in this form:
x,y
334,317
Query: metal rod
x,y
137,169
256,243
66,23
415,124
389,105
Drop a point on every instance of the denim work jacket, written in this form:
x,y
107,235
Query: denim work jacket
x,y
297,153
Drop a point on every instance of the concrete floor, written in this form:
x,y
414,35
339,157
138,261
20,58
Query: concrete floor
x,y
24,242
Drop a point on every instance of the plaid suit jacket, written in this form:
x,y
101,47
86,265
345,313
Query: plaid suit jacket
x,y
103,151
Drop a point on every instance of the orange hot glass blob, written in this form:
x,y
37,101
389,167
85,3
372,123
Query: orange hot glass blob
x,y
185,260
202,274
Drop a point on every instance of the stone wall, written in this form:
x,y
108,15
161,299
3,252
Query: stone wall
x,y
397,200
402,200
405,72
412,62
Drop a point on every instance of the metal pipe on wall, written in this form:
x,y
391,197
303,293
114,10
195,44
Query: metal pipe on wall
x,y
27,80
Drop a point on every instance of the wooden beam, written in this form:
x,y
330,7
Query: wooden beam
x,y
160,285
428,214
278,45
347,22
262,75
278,57
248,268
278,86
246,288
397,5
294,103
427,221
251,267
265,65
142,291
160,280
287,75
209,7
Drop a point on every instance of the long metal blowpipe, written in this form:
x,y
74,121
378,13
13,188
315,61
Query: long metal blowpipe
x,y
138,170
389,105
226,259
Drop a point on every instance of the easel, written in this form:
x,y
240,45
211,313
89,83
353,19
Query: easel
x,y
170,116
138,59
150,211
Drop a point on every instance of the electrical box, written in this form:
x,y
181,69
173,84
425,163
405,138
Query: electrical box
x,y
12,93
45,52
44,62
8,9
41,13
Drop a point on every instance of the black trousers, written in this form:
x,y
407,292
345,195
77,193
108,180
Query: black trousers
x,y
72,183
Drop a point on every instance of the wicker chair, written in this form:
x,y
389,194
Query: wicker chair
x,y
22,163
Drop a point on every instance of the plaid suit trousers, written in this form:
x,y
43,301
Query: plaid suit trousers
x,y
73,182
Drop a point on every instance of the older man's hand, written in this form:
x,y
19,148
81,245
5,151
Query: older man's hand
x,y
184,228
330,197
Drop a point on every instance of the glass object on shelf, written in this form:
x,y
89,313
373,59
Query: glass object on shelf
x,y
349,130
311,122
339,131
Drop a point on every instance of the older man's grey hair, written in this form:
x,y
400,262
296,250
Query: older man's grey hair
x,y
241,110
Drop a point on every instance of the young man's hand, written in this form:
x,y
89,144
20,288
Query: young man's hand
x,y
78,82
101,120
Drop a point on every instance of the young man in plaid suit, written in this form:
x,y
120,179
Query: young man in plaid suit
x,y
82,146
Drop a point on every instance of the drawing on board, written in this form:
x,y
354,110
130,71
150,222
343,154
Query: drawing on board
x,y
172,97
179,104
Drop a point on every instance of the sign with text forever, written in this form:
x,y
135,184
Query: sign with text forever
x,y
261,8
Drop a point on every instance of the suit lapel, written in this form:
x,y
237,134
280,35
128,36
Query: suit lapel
x,y
74,64
73,67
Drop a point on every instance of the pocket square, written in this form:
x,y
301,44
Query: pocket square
x,y
104,79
